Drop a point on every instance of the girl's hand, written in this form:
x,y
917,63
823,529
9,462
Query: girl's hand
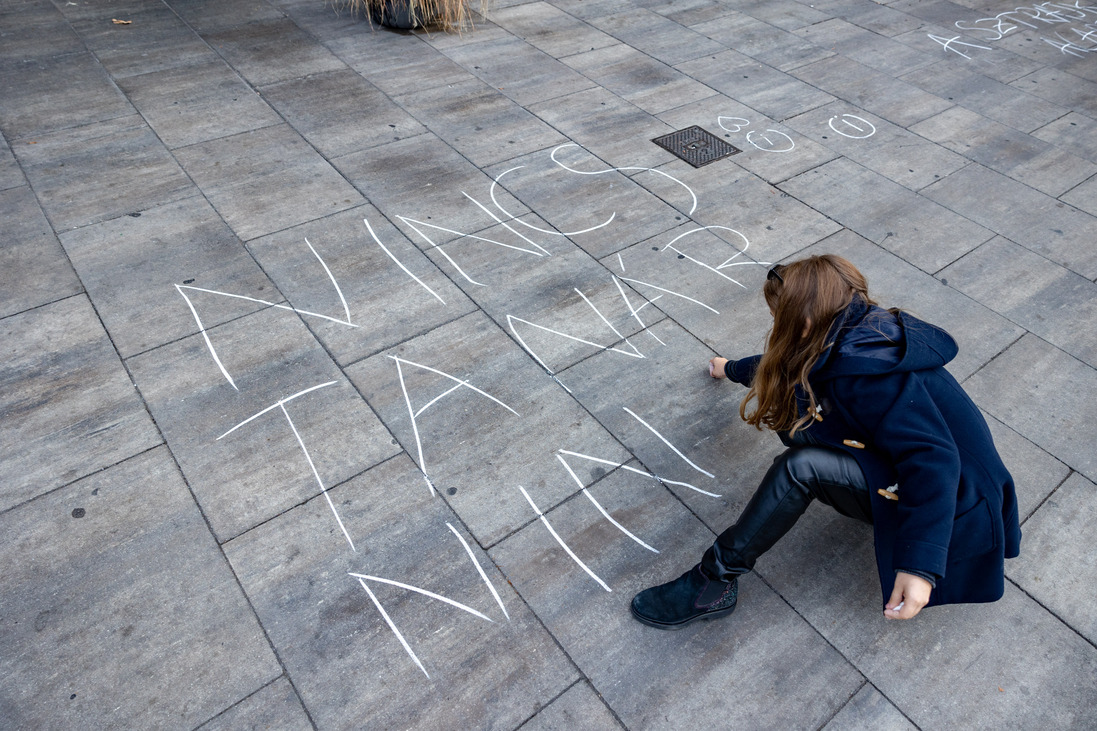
x,y
910,594
716,367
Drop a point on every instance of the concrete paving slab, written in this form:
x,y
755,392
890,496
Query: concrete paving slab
x,y
1060,87
657,36
548,28
55,93
69,407
900,103
1044,408
156,38
881,19
518,70
264,52
578,709
986,97
34,31
914,228
722,308
767,43
901,156
397,63
981,331
1074,132
66,169
1036,474
392,293
31,248
1026,159
825,569
869,709
118,608
434,186
769,149
681,424
1027,217
562,308
184,243
238,175
190,104
608,127
763,88
10,174
1056,559
340,112
786,15
1043,297
477,445
600,209
690,12
1084,197
865,46
274,707
637,78
479,123
315,440
710,674
205,18
493,670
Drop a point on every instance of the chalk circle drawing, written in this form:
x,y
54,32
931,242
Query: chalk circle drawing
x,y
277,305
560,541
771,140
732,124
553,156
281,405
718,269
852,126
414,414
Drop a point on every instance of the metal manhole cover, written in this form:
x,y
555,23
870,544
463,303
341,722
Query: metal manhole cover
x,y
696,146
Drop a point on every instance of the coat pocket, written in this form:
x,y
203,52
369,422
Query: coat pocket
x,y
972,533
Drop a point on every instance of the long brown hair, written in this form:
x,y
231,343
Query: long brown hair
x,y
805,297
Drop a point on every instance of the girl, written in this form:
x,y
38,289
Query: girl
x,y
877,429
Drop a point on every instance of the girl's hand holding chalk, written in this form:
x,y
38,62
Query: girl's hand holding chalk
x,y
716,367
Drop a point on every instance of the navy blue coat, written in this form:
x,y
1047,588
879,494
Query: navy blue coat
x,y
887,400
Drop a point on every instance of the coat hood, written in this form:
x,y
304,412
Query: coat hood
x,y
869,340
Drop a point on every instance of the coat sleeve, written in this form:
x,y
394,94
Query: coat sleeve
x,y
911,433
742,371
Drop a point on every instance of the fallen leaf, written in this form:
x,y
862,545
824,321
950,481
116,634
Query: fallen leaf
x,y
1000,689
116,21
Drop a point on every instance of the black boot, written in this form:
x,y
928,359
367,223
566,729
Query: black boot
x,y
690,597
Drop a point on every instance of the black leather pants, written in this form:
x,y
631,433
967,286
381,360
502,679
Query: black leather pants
x,y
802,473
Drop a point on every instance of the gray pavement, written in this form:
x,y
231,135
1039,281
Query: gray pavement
x,y
353,378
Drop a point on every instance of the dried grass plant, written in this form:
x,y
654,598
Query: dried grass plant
x,y
452,16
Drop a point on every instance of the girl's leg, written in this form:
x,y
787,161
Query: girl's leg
x,y
710,589
797,476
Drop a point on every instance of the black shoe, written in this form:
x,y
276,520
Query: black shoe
x,y
690,597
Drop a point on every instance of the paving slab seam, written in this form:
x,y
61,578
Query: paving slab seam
x,y
311,498
266,636
97,471
1053,613
260,689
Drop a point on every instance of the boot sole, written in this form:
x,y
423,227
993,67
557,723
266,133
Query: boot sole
x,y
684,623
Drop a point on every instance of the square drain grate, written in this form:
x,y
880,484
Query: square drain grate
x,y
696,146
